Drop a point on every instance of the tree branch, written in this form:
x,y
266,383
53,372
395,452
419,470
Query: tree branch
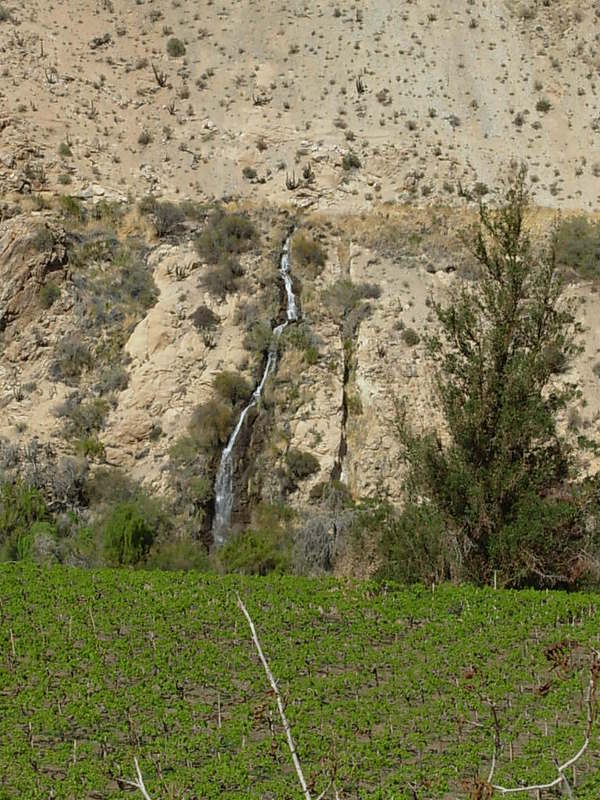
x,y
284,722
496,742
139,782
592,710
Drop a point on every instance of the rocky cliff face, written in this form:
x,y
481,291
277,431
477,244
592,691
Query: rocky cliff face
x,y
30,250
356,352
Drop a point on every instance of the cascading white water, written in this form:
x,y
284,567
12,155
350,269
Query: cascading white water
x,y
224,479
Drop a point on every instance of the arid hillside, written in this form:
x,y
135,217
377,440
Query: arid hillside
x,y
220,99
154,158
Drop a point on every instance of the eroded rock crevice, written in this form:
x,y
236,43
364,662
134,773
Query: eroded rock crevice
x,y
348,351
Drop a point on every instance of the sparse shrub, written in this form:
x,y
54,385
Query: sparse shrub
x,y
301,464
307,252
83,418
49,292
72,208
225,235
574,420
262,549
4,14
410,337
332,495
134,285
113,378
184,450
167,217
175,47
526,12
43,239
337,526
40,202
64,150
417,547
232,387
249,173
577,245
108,486
67,483
210,425
257,552
259,337
543,105
193,210
145,138
302,338
222,279
156,432
21,506
175,555
128,535
204,319
344,296
318,541
41,544
350,161
71,358
147,205
90,447
554,359
64,179
191,470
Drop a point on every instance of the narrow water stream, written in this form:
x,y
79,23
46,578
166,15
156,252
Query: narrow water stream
x,y
224,491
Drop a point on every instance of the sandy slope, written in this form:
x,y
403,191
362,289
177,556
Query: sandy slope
x,y
445,84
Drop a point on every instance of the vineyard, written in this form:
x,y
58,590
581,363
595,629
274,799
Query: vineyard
x,y
390,693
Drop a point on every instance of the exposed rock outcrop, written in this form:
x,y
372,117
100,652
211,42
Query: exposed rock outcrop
x,y
29,250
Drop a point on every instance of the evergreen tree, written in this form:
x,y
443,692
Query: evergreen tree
x,y
499,484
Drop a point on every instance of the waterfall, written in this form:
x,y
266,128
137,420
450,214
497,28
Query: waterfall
x,y
224,478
